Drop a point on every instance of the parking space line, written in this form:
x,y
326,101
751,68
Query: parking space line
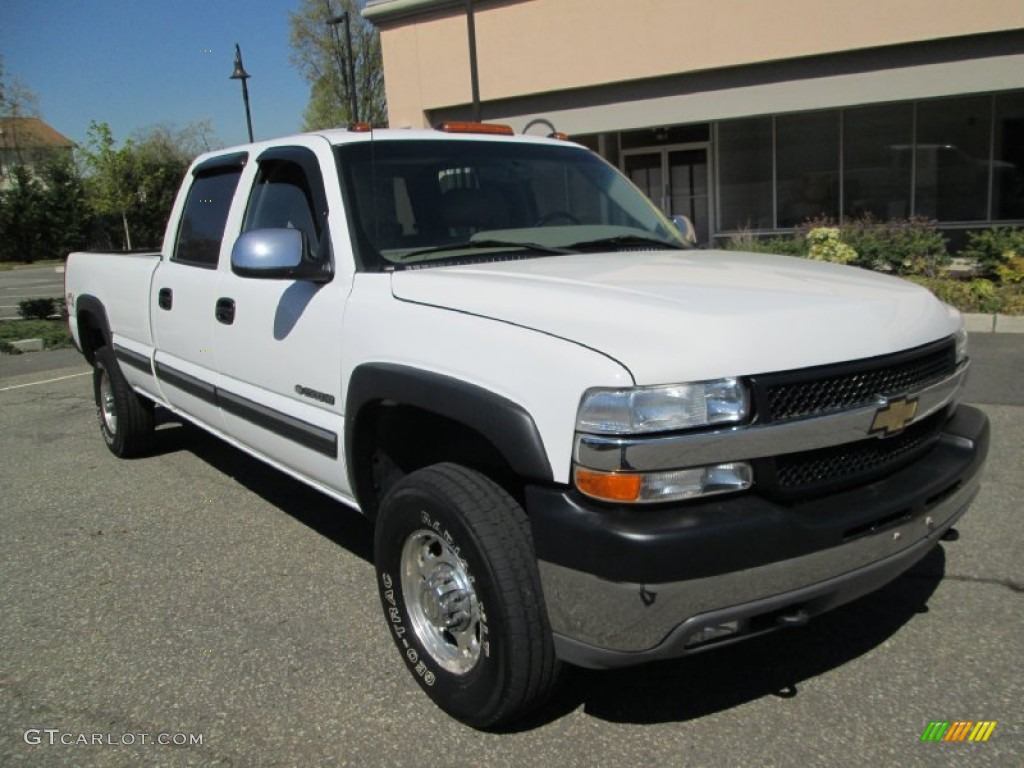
x,y
46,381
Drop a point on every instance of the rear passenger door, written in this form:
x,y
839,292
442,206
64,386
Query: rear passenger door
x,y
183,294
279,352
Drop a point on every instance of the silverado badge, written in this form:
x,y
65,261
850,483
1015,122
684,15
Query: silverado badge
x,y
894,416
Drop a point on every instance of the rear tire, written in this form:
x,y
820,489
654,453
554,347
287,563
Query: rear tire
x,y
126,419
459,586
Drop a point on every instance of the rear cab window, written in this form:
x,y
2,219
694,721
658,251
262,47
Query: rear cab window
x,y
206,211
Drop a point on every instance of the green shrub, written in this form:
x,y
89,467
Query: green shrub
x,y
54,333
785,245
824,244
995,248
37,309
1011,271
913,246
979,295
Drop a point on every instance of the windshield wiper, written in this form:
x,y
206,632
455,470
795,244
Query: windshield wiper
x,y
628,240
469,244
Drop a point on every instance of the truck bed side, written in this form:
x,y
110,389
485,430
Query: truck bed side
x,y
108,300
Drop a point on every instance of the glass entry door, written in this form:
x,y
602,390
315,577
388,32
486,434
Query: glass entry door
x,y
677,181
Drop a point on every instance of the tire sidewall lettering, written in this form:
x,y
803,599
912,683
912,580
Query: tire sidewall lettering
x,y
431,677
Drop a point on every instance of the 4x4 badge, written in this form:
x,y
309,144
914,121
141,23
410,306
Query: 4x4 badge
x,y
894,416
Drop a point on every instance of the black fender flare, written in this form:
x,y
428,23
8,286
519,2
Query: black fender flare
x,y
88,304
503,423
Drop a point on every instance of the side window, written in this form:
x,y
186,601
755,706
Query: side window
x,y
288,193
204,217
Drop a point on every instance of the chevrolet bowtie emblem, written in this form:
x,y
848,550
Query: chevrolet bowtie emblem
x,y
894,416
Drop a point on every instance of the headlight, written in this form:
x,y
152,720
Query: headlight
x,y
961,346
666,408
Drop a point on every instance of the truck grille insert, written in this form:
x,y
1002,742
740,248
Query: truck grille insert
x,y
817,470
812,392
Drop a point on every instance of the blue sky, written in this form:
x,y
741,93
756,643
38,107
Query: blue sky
x,y
135,63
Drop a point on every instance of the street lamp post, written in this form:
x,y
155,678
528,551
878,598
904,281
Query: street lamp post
x,y
333,23
241,74
474,77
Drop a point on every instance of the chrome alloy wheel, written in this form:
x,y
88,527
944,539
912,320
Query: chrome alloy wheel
x,y
107,410
441,601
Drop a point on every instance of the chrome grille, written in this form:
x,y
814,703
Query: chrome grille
x,y
802,394
812,470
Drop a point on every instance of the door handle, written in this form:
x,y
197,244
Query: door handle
x,y
165,298
225,310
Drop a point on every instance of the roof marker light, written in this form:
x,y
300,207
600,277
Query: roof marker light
x,y
496,129
360,127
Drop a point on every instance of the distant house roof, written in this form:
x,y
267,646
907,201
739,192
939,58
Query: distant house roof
x,y
30,133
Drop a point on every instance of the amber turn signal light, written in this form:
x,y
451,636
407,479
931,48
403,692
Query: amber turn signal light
x,y
609,486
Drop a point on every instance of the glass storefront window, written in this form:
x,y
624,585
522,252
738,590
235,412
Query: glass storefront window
x,y
807,146
745,174
952,148
1008,168
877,142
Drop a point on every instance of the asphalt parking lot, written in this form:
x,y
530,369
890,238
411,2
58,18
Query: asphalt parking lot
x,y
32,283
195,595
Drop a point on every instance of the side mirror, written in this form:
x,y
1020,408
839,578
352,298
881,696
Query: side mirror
x,y
685,226
277,254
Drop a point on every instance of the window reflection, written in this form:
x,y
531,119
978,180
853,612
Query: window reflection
x,y
745,174
876,171
951,170
1008,166
807,147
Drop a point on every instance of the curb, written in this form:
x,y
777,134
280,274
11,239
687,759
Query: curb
x,y
978,323
28,345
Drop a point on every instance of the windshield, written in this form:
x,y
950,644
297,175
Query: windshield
x,y
431,202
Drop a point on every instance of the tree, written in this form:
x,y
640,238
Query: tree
x,y
132,187
113,173
317,49
16,100
68,217
22,217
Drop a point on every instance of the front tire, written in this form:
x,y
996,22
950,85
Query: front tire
x,y
126,419
459,586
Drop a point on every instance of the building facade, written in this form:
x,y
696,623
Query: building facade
x,y
749,116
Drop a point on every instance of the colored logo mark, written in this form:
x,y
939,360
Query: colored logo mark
x,y
958,730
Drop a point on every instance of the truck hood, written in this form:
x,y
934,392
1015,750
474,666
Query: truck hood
x,y
690,315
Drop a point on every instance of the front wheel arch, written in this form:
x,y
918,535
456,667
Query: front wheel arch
x,y
502,426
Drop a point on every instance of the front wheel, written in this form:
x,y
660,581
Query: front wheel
x,y
126,419
459,586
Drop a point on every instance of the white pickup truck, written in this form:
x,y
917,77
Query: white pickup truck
x,y
579,439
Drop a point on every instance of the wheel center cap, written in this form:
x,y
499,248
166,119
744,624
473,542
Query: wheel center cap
x,y
444,600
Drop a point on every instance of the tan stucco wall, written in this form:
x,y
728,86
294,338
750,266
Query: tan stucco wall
x,y
537,46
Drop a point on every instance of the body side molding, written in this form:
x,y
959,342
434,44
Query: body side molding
x,y
133,359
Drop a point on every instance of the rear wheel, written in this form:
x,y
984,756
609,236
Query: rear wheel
x,y
459,586
126,419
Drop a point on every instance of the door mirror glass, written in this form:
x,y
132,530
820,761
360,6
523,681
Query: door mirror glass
x,y
276,254
686,228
